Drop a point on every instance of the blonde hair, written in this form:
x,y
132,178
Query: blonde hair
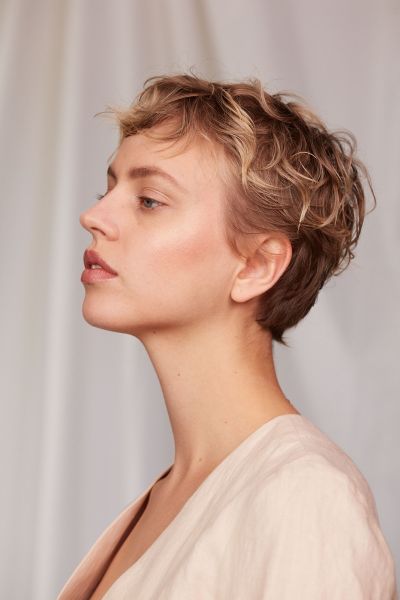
x,y
288,174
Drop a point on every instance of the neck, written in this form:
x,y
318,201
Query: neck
x,y
219,385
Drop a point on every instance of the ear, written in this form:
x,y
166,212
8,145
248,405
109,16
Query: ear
x,y
268,259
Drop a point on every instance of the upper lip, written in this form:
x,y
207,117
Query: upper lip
x,y
91,257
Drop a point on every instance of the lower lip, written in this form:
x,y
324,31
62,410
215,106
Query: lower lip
x,y
94,275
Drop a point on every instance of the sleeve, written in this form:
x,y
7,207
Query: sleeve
x,y
323,540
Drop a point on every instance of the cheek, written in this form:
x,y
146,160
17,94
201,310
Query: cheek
x,y
186,265
184,250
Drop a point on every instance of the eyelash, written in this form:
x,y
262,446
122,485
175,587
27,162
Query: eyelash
x,y
141,198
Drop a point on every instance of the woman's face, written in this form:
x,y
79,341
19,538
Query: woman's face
x,y
165,240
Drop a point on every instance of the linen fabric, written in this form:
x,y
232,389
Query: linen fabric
x,y
287,514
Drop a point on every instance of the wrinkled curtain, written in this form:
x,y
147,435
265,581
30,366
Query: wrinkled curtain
x,y
84,428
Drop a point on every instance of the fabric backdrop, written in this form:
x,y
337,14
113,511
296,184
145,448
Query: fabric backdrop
x,y
84,428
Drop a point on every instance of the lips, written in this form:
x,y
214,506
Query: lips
x,y
91,257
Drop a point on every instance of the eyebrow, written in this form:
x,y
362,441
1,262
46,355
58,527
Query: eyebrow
x,y
147,171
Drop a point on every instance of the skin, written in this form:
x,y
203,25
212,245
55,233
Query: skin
x,y
184,293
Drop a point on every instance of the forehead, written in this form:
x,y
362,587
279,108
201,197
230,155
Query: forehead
x,y
193,160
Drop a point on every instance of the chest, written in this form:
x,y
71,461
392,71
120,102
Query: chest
x,y
152,519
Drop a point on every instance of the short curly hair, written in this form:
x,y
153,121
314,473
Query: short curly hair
x,y
288,173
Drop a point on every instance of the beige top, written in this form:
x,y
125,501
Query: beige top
x,y
286,515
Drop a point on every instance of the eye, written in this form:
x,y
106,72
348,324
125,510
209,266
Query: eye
x,y
145,199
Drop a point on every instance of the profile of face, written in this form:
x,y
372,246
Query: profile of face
x,y
164,236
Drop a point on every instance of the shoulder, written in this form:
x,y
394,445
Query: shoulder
x,y
309,478
310,490
299,457
314,513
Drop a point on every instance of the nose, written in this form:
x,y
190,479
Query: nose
x,y
99,222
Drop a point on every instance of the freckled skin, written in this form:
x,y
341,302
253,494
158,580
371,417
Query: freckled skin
x,y
173,262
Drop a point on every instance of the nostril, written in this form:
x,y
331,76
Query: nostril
x,y
97,222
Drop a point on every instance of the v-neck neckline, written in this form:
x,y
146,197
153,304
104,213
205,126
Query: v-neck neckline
x,y
251,438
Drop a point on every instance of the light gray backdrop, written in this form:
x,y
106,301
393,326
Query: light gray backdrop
x,y
84,428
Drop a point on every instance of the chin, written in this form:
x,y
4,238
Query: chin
x,y
103,317
100,315
100,321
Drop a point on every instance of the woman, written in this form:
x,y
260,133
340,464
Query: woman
x,y
226,211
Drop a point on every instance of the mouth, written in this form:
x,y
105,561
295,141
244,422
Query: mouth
x,y
93,261
96,269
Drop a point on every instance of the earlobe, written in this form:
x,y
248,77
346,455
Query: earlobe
x,y
263,268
